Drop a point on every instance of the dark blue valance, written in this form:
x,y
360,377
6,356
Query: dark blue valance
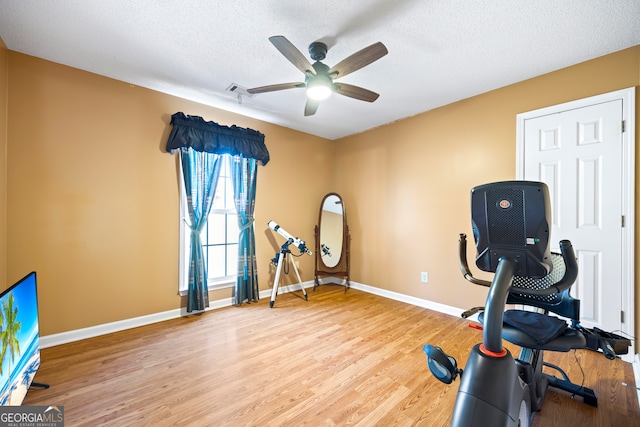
x,y
196,133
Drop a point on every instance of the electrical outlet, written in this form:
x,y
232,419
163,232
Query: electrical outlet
x,y
424,277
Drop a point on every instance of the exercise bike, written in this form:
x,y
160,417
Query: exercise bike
x,y
511,225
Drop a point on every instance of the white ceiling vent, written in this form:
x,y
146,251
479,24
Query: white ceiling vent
x,y
238,91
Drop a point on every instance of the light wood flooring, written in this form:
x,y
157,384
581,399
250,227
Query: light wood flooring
x,y
337,359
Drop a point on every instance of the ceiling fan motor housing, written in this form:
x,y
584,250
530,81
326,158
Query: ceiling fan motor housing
x,y
321,77
318,51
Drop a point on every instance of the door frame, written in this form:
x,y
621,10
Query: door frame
x,y
628,188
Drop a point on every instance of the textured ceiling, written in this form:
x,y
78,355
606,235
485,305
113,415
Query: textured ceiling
x,y
440,51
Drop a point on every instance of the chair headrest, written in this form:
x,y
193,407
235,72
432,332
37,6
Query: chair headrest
x,y
512,219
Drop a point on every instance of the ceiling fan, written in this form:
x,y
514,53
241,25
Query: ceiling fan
x,y
319,78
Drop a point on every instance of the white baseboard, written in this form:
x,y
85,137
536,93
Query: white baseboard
x,y
442,308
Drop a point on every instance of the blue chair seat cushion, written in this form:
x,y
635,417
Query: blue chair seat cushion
x,y
539,331
540,327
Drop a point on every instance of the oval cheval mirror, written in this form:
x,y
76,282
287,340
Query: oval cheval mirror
x,y
332,243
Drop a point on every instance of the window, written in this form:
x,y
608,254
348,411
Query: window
x,y
219,237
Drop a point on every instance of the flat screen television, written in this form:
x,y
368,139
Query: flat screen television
x,y
19,340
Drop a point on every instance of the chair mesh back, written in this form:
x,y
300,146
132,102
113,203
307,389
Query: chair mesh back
x,y
556,274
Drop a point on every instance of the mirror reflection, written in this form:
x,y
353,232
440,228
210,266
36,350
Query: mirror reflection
x,y
332,243
331,230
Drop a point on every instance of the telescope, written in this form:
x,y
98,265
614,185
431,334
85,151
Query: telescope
x,y
326,250
294,240
281,258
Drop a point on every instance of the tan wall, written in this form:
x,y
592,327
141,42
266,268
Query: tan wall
x,y
4,82
93,202
93,196
407,185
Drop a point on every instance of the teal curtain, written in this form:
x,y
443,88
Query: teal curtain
x,y
244,176
200,171
201,144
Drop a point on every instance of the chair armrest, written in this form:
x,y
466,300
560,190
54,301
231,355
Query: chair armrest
x,y
464,266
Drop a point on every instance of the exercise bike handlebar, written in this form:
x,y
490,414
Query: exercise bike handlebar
x,y
571,269
464,266
570,275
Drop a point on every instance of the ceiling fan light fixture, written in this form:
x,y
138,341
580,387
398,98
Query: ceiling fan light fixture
x,y
318,93
319,88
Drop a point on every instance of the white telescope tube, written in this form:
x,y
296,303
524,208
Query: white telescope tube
x,y
294,240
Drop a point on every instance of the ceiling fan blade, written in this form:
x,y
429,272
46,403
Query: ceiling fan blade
x,y
355,92
272,88
311,107
292,54
359,59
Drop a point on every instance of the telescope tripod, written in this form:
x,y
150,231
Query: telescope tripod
x,y
281,257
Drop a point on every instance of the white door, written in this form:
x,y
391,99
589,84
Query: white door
x,y
578,150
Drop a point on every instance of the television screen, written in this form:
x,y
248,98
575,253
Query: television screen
x,y
19,340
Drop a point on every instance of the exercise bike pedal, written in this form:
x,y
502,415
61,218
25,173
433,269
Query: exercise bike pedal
x,y
442,366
